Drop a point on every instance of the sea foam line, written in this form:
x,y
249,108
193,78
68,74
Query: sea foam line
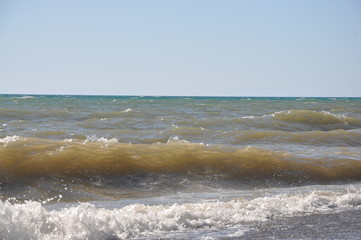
x,y
31,220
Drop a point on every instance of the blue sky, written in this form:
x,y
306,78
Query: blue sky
x,y
187,47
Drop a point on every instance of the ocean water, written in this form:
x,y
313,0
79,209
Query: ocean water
x,y
137,167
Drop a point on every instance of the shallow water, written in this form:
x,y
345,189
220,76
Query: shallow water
x,y
108,167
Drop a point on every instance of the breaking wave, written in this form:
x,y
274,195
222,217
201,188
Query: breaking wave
x,y
312,117
31,220
27,158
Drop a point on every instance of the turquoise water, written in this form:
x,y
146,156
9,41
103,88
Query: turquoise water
x,y
115,167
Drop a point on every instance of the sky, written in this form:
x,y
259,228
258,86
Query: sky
x,y
302,48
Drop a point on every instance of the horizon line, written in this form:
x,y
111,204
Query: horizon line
x,y
175,96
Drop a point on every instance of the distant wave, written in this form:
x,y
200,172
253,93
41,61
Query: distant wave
x,y
340,138
312,117
24,97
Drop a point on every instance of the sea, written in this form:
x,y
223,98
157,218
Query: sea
x,y
153,167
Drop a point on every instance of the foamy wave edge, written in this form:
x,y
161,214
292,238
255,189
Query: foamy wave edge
x,y
308,116
31,220
9,139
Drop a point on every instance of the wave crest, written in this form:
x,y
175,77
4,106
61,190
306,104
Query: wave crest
x,y
310,117
34,158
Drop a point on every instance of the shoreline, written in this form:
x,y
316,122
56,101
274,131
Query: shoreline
x,y
341,225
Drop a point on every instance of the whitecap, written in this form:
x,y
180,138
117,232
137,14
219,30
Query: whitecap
x,y
177,139
9,139
31,220
128,110
24,97
106,141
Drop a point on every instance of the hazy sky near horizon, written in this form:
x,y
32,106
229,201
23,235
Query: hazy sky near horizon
x,y
187,47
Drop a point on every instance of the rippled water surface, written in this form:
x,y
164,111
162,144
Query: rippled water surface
x,y
108,167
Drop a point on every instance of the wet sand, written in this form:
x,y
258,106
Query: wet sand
x,y
344,225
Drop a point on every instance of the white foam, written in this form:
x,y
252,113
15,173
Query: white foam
x,y
30,220
9,139
24,97
277,113
341,117
106,141
177,139
249,117
128,110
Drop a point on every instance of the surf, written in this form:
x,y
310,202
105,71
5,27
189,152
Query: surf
x,y
33,220
33,158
